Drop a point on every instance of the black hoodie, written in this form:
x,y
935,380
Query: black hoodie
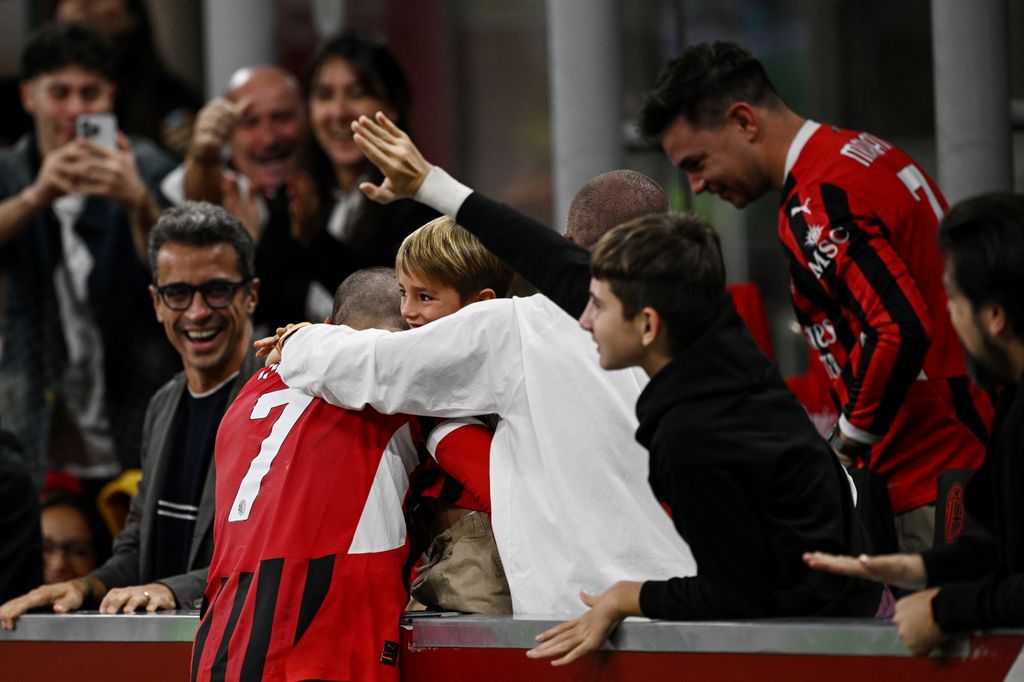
x,y
751,486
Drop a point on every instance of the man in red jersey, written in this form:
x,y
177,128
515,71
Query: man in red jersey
x,y
857,219
309,535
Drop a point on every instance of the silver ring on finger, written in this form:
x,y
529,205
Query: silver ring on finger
x,y
146,595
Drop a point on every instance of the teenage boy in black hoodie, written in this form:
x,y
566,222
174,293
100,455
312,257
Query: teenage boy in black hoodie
x,y
750,483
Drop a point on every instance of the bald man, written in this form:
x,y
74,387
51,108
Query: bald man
x,y
260,121
260,117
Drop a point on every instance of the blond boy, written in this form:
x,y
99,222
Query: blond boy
x,y
442,268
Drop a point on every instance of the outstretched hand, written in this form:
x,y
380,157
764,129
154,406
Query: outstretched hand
x,y
64,597
574,638
267,347
900,570
391,150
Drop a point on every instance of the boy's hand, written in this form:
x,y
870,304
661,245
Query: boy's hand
x,y
394,154
900,570
575,638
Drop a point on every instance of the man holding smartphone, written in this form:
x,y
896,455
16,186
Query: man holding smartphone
x,y
81,354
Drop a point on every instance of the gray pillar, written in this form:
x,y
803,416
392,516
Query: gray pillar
x,y
586,95
237,33
972,96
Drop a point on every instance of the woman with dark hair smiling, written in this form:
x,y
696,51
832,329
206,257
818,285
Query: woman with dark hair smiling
x,y
350,75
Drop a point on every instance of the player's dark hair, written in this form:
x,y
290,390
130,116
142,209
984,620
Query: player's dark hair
x,y
702,83
56,46
983,238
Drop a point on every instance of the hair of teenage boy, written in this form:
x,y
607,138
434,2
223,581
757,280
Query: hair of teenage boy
x,y
611,199
671,263
444,252
366,300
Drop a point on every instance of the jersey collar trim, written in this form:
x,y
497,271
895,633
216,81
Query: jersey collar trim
x,y
797,145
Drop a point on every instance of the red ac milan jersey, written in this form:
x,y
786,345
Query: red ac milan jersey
x,y
309,539
858,219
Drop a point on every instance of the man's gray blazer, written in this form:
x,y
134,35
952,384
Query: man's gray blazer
x,y
134,547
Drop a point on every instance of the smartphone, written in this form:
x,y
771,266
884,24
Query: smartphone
x,y
98,128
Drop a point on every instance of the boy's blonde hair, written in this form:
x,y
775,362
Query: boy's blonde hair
x,y
446,253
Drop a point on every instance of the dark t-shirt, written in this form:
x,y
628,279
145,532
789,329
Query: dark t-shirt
x,y
195,431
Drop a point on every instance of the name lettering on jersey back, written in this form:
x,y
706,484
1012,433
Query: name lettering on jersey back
x,y
865,148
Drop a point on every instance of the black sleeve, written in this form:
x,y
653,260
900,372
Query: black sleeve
x,y
21,559
557,267
731,551
994,601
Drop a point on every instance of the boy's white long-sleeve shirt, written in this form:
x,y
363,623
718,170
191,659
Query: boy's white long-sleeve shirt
x,y
571,506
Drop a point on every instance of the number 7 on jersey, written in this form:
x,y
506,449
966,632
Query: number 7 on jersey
x,y
295,403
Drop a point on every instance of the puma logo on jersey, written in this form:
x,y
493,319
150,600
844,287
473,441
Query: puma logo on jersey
x,y
803,208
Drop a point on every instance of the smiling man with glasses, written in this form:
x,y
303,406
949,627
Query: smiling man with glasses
x,y
161,557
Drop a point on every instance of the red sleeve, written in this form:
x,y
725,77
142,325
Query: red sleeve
x,y
462,449
880,321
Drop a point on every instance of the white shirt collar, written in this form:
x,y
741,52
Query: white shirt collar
x,y
797,145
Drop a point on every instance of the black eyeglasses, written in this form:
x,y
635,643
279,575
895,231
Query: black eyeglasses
x,y
74,549
218,293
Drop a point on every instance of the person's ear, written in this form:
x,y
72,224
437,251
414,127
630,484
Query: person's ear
x,y
25,92
992,317
254,295
485,295
744,117
648,323
155,295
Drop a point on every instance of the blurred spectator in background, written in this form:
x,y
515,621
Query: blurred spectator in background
x,y
150,100
73,542
350,75
260,121
74,222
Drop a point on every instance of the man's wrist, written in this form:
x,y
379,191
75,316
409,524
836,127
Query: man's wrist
x,y
284,337
204,158
85,586
442,192
847,446
32,198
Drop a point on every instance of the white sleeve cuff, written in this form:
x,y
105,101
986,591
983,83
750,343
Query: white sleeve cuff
x,y
442,192
859,435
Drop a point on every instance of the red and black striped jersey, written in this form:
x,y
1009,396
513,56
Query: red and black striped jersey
x,y
309,536
858,220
